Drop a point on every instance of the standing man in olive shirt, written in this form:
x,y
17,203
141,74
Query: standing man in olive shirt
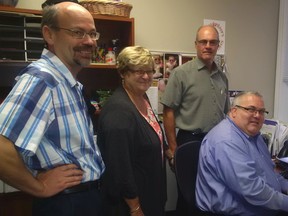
x,y
195,98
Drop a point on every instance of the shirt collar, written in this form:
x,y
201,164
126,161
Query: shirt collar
x,y
58,66
202,66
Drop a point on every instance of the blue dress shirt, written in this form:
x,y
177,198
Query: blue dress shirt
x,y
236,174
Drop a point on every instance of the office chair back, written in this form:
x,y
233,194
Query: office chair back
x,y
186,164
284,150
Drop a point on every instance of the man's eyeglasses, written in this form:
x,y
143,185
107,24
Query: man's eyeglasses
x,y
78,34
253,110
211,42
142,72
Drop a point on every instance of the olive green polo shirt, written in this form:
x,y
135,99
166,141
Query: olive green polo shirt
x,y
200,98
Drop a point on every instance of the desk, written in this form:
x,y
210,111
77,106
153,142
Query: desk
x,y
16,204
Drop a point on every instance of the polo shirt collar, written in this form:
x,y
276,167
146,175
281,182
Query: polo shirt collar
x,y
201,66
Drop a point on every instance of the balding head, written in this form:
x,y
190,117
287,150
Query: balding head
x,y
64,11
206,27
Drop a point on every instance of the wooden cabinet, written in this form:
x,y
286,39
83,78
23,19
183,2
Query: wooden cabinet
x,y
21,43
21,38
16,204
101,76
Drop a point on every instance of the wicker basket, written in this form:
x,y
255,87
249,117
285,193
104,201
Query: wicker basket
x,y
114,8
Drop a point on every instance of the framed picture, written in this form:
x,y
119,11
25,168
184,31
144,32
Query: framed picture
x,y
158,67
171,60
219,60
165,62
187,57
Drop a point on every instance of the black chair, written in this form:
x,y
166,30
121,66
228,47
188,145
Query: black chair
x,y
186,163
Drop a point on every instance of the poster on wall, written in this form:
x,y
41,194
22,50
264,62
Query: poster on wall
x,y
158,81
220,26
171,61
187,57
158,66
165,62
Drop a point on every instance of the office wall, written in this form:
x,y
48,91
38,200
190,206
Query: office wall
x,y
251,34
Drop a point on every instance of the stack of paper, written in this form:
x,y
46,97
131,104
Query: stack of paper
x,y
1,187
282,134
277,133
8,189
269,130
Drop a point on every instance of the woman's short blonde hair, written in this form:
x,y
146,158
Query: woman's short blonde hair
x,y
134,58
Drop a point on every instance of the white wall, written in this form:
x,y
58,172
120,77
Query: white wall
x,y
281,86
251,34
30,4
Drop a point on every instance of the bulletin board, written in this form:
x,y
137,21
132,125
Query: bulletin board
x,y
165,62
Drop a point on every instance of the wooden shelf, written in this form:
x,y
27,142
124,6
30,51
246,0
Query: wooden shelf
x,y
102,65
21,37
16,204
20,10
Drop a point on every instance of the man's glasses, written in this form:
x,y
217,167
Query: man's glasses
x,y
253,110
78,34
211,42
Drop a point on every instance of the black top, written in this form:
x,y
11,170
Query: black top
x,y
131,151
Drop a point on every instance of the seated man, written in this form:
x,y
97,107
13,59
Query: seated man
x,y
235,173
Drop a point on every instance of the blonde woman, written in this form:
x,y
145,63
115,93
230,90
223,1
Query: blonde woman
x,y
132,142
